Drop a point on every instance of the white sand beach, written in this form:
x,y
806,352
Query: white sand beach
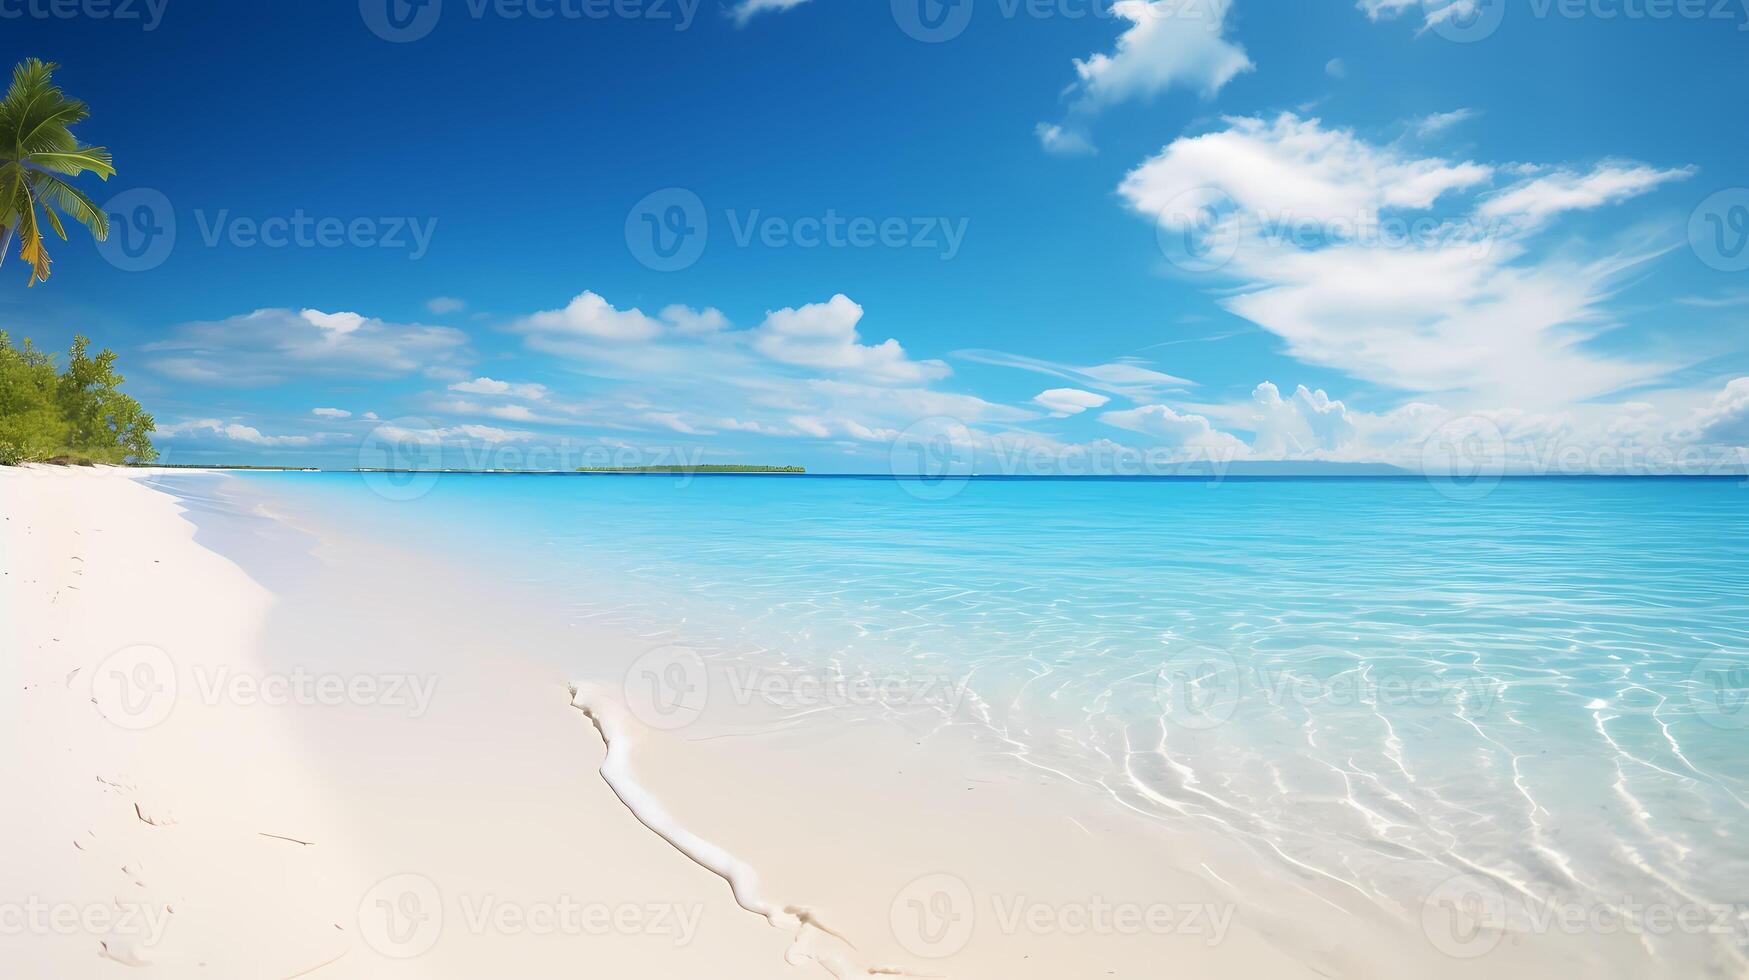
x,y
371,775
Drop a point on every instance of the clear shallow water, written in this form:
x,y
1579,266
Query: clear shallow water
x,y
1367,680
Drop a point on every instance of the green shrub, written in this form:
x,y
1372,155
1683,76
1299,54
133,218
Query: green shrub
x,y
75,415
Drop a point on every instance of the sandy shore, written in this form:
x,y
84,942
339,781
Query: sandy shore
x,y
369,772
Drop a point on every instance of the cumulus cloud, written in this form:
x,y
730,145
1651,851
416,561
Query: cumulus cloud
x,y
1726,419
270,346
331,413
824,335
1064,402
1302,424
1167,44
1193,432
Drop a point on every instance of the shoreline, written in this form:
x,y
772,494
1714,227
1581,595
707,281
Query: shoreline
x,y
866,827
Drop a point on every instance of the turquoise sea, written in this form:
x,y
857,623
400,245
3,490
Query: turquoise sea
x,y
1378,681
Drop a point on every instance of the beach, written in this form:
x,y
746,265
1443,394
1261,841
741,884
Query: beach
x,y
256,744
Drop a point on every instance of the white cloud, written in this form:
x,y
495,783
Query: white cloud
x,y
1067,142
1168,43
824,335
591,318
1291,169
1726,420
690,321
1463,309
1435,123
746,10
1064,402
331,413
589,315
445,304
233,432
1299,425
274,345
1336,68
1177,431
492,386
1534,201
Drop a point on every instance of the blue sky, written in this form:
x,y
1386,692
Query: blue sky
x,y
1050,236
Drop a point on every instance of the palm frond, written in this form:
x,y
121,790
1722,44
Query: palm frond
x,y
53,190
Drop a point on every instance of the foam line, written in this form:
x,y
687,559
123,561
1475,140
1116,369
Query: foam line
x,y
620,735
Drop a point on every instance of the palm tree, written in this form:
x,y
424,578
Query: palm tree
x,y
37,150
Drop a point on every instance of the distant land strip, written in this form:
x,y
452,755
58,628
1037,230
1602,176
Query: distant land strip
x,y
707,468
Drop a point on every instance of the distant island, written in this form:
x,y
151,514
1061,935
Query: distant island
x,y
694,470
